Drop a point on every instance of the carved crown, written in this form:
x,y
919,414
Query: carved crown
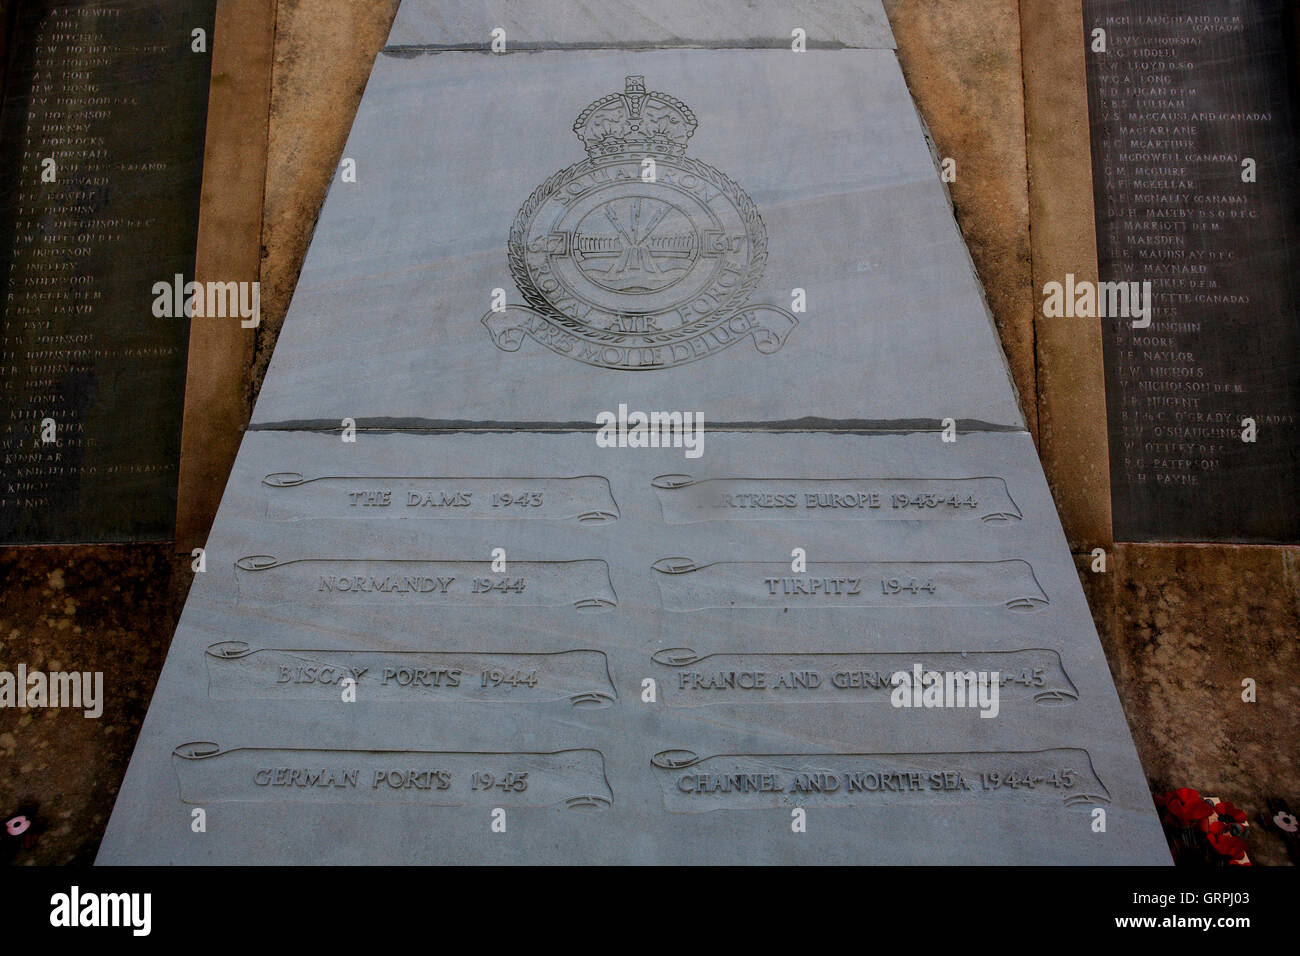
x,y
635,121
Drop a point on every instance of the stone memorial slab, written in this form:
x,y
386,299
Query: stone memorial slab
x,y
487,631
816,178
1196,160
551,24
103,120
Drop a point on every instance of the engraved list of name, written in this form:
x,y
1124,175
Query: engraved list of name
x,y
1194,149
103,121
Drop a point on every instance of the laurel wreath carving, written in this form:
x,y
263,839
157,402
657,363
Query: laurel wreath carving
x,y
517,249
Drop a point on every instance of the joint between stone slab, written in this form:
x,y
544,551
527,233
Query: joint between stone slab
x,y
766,43
883,427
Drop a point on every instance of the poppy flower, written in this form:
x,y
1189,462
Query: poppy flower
x,y
1285,821
1224,842
1187,808
1229,813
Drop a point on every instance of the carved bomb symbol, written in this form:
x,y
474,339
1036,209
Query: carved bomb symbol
x,y
625,270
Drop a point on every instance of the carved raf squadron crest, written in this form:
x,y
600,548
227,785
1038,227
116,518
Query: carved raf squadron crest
x,y
638,257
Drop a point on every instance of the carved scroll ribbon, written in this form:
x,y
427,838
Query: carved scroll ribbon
x,y
1035,674
238,671
692,784
344,582
291,496
685,500
686,586
571,778
766,326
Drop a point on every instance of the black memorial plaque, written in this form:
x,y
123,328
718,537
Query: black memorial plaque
x,y
1185,93
115,93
